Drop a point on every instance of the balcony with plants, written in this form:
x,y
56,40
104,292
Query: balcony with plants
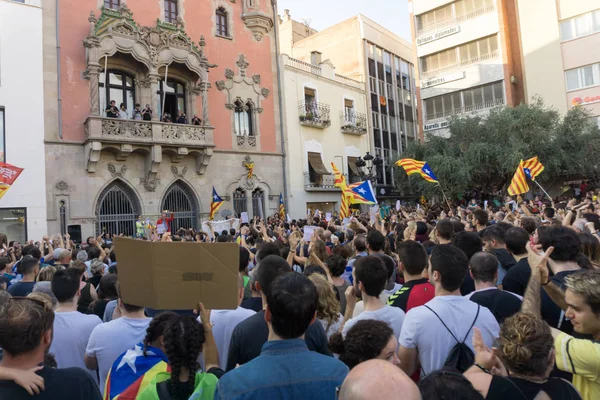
x,y
354,123
314,114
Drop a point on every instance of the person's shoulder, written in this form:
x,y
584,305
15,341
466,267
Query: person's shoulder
x,y
334,366
395,311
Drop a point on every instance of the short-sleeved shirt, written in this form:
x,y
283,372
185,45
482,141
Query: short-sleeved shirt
x,y
501,303
60,384
517,278
412,294
551,312
224,322
21,289
394,316
111,339
581,357
423,330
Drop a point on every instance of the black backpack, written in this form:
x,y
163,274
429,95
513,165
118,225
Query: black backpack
x,y
461,356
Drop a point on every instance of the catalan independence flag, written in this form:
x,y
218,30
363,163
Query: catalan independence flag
x,y
281,207
532,167
417,167
215,204
133,371
340,181
519,185
363,193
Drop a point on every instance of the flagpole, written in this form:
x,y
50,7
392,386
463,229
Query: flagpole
x,y
445,198
540,186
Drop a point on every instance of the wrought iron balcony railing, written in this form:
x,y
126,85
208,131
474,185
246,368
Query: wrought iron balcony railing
x,y
319,183
353,122
314,114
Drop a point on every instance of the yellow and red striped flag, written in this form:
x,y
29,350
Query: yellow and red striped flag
x,y
533,167
340,181
281,207
519,185
412,166
215,204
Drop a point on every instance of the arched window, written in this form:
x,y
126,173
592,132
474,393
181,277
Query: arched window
x,y
258,203
243,123
117,210
119,87
180,200
222,25
239,201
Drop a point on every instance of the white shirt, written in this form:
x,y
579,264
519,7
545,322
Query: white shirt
x,y
359,307
111,339
394,316
424,331
71,332
333,328
224,322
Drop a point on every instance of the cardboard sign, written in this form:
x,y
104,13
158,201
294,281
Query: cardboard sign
x,y
244,217
308,232
178,275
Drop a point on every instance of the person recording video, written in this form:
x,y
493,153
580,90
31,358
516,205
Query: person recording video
x,y
112,111
147,113
181,118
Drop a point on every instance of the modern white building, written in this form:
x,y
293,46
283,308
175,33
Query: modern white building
x,y
23,207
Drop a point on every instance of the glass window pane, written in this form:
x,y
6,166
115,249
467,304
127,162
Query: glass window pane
x,y
468,98
434,62
498,91
596,21
572,79
451,56
455,100
464,53
477,96
116,95
130,102
429,109
443,58
587,75
12,223
447,100
102,100
179,88
115,79
472,50
437,102
478,4
582,25
488,93
566,32
484,46
493,44
129,81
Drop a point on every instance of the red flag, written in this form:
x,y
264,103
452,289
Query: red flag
x,y
9,173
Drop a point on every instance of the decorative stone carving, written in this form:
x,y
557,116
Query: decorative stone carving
x,y
124,128
202,160
258,22
150,184
265,92
144,83
62,186
229,74
179,172
220,85
256,79
242,64
117,172
186,132
92,149
241,140
252,141
259,110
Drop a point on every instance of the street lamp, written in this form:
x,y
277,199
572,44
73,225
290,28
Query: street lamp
x,y
369,167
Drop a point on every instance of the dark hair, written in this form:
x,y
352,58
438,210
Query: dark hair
x,y
375,240
493,232
267,249
447,384
157,327
244,259
528,223
363,342
565,241
590,246
458,225
343,251
389,263
413,256
183,339
65,284
35,253
292,302
516,240
591,217
26,249
336,265
22,324
421,228
445,229
28,264
481,217
452,264
314,269
360,242
93,252
107,287
372,273
484,267
4,261
270,268
549,212
469,242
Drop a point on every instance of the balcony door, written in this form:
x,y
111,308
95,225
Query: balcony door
x,y
119,87
173,96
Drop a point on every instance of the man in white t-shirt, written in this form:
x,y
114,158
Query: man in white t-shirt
x,y
424,339
111,339
224,321
71,329
369,277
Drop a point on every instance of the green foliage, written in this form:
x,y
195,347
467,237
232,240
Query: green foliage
x,y
483,153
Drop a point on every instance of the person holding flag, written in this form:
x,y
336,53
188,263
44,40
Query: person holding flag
x,y
340,181
215,204
527,169
281,207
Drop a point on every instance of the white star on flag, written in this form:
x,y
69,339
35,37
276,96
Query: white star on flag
x,y
131,355
362,191
427,171
216,198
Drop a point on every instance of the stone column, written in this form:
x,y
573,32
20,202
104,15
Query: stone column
x,y
94,75
154,88
204,86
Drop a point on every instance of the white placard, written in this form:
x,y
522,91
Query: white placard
x,y
345,222
373,213
398,206
160,229
308,232
485,205
317,213
418,207
289,219
245,218
328,217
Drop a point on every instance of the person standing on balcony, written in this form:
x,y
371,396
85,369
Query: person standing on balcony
x,y
137,113
123,114
147,113
165,221
196,120
112,111
181,118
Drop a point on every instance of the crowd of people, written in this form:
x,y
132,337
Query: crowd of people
x,y
145,114
428,302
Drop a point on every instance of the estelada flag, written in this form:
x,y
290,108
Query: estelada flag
x,y
8,174
532,168
518,185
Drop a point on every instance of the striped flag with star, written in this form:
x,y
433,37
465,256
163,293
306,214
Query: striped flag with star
x,y
412,166
363,193
532,168
518,185
281,207
215,204
340,181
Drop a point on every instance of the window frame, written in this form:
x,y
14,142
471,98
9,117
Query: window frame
x,y
581,78
161,92
571,25
222,22
123,87
24,216
112,4
168,12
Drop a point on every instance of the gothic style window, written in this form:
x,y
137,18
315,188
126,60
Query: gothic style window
x,y
112,4
239,201
180,199
258,203
120,88
171,11
222,26
243,120
117,210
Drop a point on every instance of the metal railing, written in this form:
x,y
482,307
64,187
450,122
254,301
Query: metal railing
x,y
349,81
434,72
303,66
465,109
313,113
321,182
353,122
454,21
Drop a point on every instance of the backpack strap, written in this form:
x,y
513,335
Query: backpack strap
x,y
443,323
473,324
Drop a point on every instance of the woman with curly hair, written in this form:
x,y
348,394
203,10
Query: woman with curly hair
x,y
520,367
366,340
183,340
328,309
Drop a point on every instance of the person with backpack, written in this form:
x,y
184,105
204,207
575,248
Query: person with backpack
x,y
440,332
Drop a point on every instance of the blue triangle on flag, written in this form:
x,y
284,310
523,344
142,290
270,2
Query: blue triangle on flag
x,y
365,190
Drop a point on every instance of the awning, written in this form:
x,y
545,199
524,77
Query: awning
x,y
315,161
352,165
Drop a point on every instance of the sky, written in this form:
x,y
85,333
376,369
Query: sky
x,y
391,14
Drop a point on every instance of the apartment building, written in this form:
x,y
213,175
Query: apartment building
x,y
365,51
560,41
468,58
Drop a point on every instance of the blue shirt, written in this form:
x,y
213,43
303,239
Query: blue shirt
x,y
285,369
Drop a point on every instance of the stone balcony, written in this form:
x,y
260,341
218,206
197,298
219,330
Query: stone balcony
x,y
123,137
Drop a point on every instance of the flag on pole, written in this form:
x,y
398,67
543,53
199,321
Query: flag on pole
x,y
417,167
281,207
519,185
340,181
215,204
363,193
8,174
532,167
